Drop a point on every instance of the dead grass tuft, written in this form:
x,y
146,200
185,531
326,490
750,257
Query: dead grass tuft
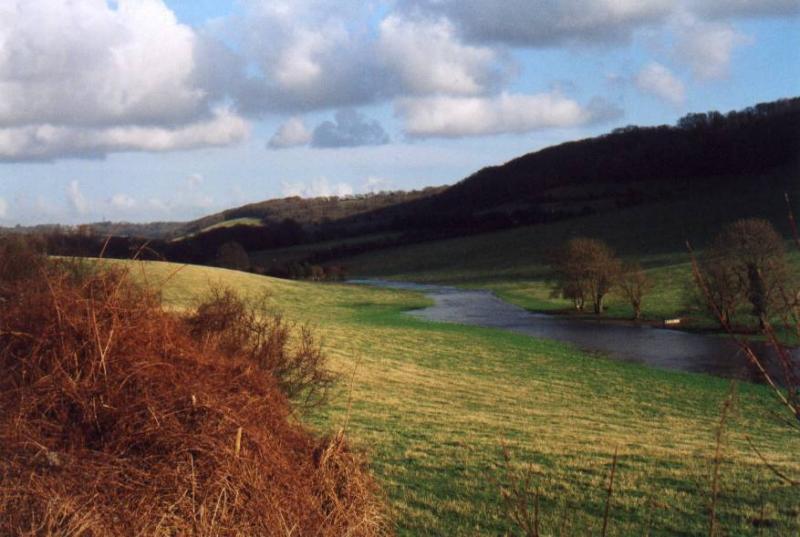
x,y
116,420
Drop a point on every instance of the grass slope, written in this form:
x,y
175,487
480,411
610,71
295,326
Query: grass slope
x,y
432,404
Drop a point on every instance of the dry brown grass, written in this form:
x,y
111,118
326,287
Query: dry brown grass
x,y
291,353
115,420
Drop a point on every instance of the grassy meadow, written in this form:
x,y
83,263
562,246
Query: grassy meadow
x,y
432,404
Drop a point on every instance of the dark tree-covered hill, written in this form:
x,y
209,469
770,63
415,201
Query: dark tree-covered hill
x,y
699,155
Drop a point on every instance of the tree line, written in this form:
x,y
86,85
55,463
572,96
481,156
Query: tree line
x,y
744,271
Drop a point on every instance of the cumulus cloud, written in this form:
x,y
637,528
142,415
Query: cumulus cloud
x,y
319,187
428,57
84,78
519,23
657,80
349,128
319,54
76,199
707,47
293,133
307,55
506,113
122,202
48,141
87,77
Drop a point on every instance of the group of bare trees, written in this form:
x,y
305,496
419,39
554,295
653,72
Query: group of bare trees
x,y
587,270
745,268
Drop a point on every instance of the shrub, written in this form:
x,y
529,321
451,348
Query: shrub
x,y
19,256
116,420
289,352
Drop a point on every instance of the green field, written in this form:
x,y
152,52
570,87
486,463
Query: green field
x,y
432,403
244,221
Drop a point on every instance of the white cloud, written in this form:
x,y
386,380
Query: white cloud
x,y
428,57
48,141
86,77
506,113
122,202
85,63
293,133
319,187
707,47
308,55
376,184
3,208
657,80
76,199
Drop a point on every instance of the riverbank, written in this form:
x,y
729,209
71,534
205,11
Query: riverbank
x,y
667,301
617,339
529,287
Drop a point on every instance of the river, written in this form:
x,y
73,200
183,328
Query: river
x,y
657,347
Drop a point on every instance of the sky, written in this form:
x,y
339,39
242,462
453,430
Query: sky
x,y
153,110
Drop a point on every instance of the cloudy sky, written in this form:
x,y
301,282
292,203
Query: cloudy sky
x,y
145,110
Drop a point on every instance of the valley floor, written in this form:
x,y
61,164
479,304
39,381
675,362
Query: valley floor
x,y
433,404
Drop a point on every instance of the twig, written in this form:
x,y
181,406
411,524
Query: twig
x,y
792,221
723,420
14,333
741,342
772,467
609,491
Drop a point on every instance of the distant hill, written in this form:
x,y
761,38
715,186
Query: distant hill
x,y
307,212
628,167
632,164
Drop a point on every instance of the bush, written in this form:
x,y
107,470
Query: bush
x,y
117,420
19,256
289,352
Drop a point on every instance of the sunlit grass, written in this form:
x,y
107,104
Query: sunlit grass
x,y
432,403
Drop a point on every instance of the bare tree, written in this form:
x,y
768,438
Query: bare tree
x,y
756,251
586,269
748,257
633,285
721,297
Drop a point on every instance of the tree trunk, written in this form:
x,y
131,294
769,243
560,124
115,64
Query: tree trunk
x,y
598,304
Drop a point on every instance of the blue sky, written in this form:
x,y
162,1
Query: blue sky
x,y
140,110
